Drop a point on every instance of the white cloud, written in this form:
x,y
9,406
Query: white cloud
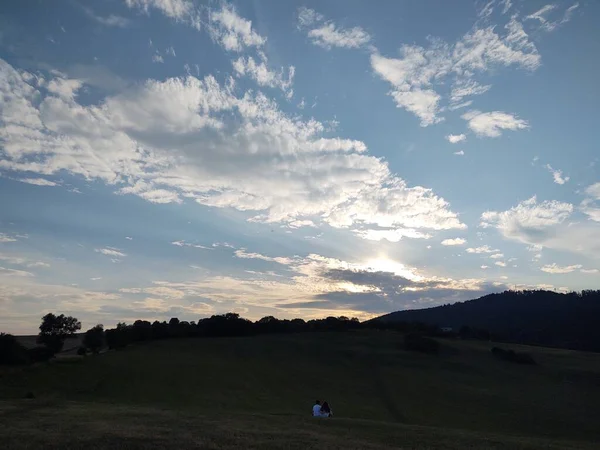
x,y
37,264
497,256
109,21
455,241
179,10
467,88
243,254
591,205
259,72
110,251
231,31
528,218
500,263
14,273
454,107
6,238
301,223
557,175
156,58
21,261
308,17
589,271
593,191
327,34
491,124
170,51
456,138
38,181
554,268
482,249
392,235
485,267
460,153
545,224
506,5
419,69
152,140
187,244
543,13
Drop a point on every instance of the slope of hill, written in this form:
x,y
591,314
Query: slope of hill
x,y
530,317
257,392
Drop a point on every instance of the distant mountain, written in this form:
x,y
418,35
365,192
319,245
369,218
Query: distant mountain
x,y
530,317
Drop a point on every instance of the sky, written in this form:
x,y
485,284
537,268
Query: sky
x,y
177,158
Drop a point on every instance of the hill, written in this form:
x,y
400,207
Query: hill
x,y
530,317
257,392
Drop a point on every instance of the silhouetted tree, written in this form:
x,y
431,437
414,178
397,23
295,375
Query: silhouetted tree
x,y
118,337
94,338
55,329
11,350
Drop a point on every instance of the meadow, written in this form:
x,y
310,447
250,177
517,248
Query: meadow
x,y
257,392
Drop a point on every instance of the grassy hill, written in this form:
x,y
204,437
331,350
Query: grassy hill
x,y
545,318
257,392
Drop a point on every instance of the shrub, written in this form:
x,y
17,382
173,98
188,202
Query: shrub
x,y
418,343
94,338
11,350
40,354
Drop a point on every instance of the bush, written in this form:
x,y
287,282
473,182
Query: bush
x,y
94,338
416,342
11,350
512,356
40,354
82,351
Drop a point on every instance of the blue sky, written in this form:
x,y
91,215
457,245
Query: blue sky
x,y
164,158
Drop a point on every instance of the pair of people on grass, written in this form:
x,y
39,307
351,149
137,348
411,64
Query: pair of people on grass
x,y
321,410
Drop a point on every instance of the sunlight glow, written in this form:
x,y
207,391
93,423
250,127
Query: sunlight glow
x,y
388,265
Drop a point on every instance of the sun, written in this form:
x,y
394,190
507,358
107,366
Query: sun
x,y
391,266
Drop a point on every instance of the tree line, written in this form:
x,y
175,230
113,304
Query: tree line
x,y
528,317
56,329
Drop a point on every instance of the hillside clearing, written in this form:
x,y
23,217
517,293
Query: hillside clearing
x,y
257,392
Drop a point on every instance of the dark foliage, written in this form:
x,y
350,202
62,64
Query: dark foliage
x,y
40,354
55,329
94,338
512,356
11,351
118,337
82,351
230,324
416,342
527,317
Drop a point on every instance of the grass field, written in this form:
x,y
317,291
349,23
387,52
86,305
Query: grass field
x,y
257,393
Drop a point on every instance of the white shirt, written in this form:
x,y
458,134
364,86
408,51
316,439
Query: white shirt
x,y
317,410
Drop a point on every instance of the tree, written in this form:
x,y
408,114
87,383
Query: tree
x,y
55,329
94,338
11,350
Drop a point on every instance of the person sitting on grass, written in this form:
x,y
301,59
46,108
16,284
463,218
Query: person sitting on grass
x,y
326,410
316,411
